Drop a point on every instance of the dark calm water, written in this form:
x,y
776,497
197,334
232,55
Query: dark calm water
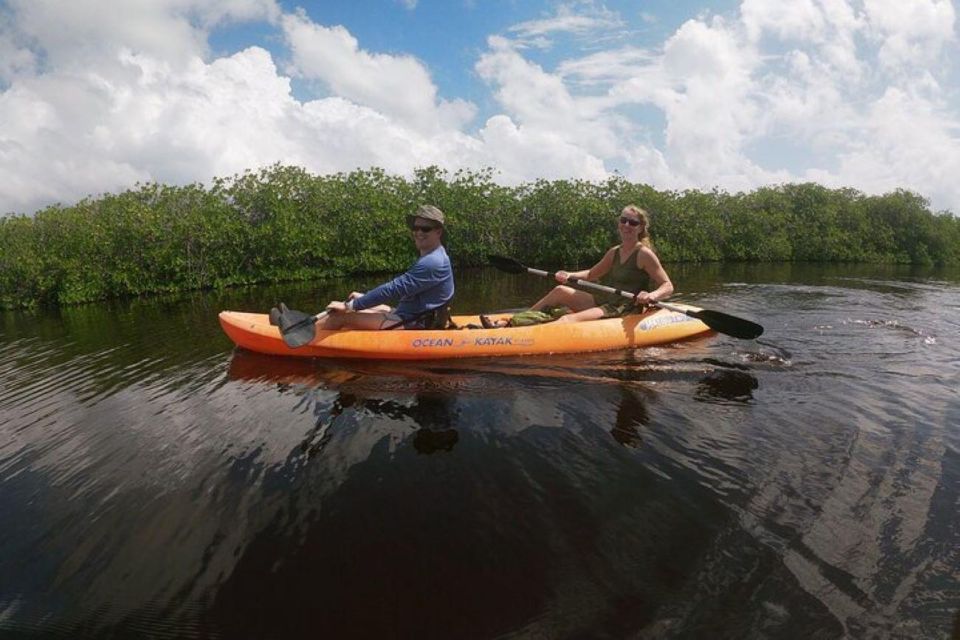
x,y
156,483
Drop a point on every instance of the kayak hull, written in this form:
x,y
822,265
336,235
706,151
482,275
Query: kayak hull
x,y
253,331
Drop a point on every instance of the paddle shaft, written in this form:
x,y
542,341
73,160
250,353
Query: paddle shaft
x,y
605,289
314,319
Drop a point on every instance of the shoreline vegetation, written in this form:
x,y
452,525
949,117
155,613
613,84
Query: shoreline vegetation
x,y
283,224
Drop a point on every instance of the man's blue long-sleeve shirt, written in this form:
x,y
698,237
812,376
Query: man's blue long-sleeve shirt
x,y
426,285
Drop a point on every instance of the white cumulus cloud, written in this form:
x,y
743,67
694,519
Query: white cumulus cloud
x,y
858,93
397,86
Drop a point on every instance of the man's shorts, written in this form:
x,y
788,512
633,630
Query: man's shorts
x,y
392,321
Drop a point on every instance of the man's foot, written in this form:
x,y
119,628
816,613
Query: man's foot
x,y
275,316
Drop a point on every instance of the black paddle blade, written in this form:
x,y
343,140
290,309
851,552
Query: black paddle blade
x,y
507,264
297,328
730,325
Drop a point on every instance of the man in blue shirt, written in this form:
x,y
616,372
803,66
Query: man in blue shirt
x,y
426,286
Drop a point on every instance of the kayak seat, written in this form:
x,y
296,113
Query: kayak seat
x,y
439,318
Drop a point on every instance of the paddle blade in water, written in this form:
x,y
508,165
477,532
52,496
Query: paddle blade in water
x,y
730,325
506,264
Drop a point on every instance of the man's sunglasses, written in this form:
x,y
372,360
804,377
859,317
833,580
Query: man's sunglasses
x,y
629,221
423,228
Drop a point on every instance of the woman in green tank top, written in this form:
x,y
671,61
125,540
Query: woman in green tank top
x,y
632,265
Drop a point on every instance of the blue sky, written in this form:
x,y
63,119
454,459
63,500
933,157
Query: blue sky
x,y
96,96
449,36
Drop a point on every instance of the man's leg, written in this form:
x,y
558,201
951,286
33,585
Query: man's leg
x,y
366,320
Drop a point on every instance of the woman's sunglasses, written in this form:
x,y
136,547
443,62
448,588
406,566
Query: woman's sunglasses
x,y
422,228
629,221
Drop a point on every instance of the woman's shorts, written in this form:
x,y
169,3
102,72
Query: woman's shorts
x,y
618,309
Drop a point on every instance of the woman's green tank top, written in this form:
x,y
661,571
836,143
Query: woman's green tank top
x,y
627,276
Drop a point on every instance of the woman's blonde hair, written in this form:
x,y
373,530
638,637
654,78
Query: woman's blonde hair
x,y
644,232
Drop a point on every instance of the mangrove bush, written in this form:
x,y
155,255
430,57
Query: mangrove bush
x,y
282,223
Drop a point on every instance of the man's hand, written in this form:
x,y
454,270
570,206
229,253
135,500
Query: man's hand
x,y
335,306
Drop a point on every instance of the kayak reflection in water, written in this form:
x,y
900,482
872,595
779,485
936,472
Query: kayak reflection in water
x,y
425,288
631,265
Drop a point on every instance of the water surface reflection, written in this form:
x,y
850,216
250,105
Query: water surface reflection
x,y
155,482
534,510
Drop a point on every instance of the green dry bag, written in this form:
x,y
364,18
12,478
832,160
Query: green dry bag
x,y
529,317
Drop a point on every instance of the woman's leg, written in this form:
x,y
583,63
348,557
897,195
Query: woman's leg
x,y
581,303
593,313
567,296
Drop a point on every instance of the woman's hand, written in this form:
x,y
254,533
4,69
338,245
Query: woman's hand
x,y
561,276
335,306
644,298
354,295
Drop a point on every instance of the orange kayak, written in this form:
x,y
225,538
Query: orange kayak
x,y
253,331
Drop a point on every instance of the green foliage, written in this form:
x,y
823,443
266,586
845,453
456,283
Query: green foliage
x,y
282,223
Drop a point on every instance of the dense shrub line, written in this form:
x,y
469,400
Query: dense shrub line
x,y
282,223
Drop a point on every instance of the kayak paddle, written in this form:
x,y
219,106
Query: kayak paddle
x,y
296,327
716,320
